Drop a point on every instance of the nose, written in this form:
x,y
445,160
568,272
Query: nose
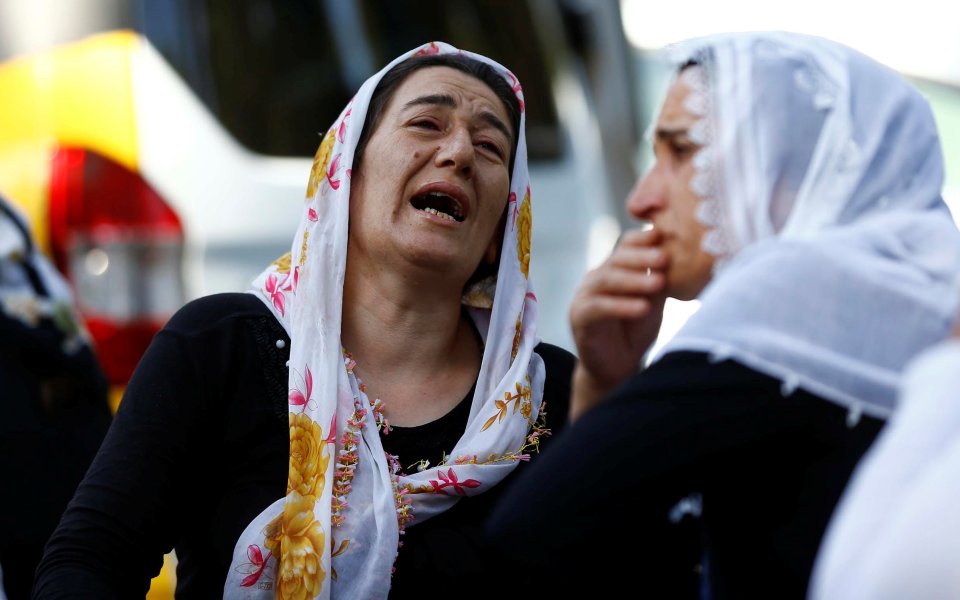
x,y
456,150
648,195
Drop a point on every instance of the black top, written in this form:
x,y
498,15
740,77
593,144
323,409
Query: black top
x,y
428,441
200,446
686,437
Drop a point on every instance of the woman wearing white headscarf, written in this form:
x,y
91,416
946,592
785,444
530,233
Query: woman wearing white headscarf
x,y
349,417
796,193
896,531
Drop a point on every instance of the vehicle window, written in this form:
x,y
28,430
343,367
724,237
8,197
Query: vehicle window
x,y
277,74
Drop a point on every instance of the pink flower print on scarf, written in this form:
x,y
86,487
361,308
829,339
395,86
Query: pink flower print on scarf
x,y
302,397
517,90
256,567
449,479
276,287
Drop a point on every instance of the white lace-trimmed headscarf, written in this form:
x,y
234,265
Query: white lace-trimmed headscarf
x,y
820,184
336,531
896,531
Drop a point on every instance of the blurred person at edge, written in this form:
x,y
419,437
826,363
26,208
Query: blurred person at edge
x,y
797,193
896,530
371,393
54,410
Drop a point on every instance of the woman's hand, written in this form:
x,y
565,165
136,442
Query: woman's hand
x,y
615,316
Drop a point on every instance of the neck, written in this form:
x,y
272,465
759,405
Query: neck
x,y
404,331
399,316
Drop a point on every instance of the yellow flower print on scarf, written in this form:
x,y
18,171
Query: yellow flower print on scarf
x,y
308,456
320,160
283,264
524,223
303,248
300,536
516,339
522,402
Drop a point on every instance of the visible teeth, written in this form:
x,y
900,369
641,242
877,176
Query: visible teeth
x,y
457,207
434,211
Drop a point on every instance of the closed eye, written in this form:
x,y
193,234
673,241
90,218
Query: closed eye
x,y
681,150
675,142
425,124
492,148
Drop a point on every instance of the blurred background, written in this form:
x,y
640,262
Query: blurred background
x,y
161,148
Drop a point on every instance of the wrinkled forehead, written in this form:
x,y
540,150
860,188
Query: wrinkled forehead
x,y
451,88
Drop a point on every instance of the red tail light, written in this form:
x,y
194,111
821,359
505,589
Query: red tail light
x,y
122,247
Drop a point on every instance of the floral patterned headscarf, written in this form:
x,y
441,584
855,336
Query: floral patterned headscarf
x,y
336,532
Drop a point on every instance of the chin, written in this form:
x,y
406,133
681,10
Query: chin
x,y
684,290
440,263
683,295
689,282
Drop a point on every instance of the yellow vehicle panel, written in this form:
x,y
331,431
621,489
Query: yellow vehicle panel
x,y
78,95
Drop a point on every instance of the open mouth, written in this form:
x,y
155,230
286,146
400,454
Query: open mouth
x,y
439,204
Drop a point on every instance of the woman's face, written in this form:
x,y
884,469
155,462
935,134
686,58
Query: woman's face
x,y
664,197
434,182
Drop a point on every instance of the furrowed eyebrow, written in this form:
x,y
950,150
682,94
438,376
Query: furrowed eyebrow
x,y
448,101
434,99
495,122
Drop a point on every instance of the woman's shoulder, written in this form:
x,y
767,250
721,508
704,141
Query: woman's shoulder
x,y
217,311
689,373
558,362
556,356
